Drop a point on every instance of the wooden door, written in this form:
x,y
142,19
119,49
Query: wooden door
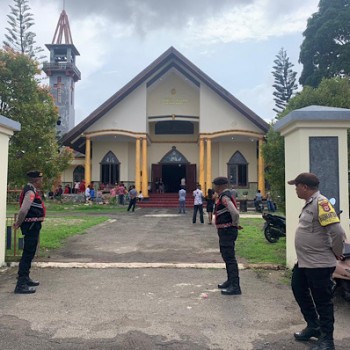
x,y
156,174
191,177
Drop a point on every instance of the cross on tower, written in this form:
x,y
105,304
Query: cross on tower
x,y
58,86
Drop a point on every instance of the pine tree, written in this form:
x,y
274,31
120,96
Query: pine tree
x,y
19,37
285,81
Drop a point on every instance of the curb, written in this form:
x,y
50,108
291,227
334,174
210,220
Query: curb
x,y
80,265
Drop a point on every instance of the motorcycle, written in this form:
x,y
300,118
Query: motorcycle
x,y
341,275
274,227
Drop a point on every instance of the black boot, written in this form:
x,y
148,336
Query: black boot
x,y
23,288
233,288
324,344
224,285
308,333
32,283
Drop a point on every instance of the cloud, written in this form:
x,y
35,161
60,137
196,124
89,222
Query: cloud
x,y
119,38
202,20
255,21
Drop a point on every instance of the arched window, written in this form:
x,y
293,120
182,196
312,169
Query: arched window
x,y
110,169
79,173
237,170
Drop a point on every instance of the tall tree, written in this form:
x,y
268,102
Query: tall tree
x,y
331,92
285,80
325,51
19,37
23,99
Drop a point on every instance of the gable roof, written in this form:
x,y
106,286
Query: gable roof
x,y
171,58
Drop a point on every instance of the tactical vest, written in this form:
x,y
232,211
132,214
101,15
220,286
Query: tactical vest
x,y
37,209
222,215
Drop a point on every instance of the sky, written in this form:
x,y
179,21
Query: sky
x,y
233,41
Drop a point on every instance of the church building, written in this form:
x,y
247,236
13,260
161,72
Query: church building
x,y
171,121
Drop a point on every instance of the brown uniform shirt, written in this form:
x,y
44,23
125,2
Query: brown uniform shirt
x,y
317,246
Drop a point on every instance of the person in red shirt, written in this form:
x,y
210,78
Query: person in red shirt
x,y
82,186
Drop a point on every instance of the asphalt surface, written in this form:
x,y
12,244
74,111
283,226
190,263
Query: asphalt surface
x,y
146,305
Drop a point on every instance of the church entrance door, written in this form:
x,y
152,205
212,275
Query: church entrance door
x,y
172,175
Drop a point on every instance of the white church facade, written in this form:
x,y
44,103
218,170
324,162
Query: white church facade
x,y
170,122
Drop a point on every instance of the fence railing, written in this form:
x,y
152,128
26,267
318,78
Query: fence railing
x,y
14,241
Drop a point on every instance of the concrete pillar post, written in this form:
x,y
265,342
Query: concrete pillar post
x,y
137,165
144,168
87,161
315,139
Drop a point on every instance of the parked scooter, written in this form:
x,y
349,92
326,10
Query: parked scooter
x,y
274,227
341,274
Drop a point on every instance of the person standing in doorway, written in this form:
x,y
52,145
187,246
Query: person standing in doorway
x,y
198,205
227,224
319,241
182,200
29,219
132,198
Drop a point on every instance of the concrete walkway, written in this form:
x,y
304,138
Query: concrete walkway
x,y
147,280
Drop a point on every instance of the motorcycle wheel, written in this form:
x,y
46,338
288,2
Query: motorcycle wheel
x,y
270,236
346,290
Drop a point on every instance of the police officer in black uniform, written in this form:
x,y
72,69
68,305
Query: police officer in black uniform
x,y
29,219
227,224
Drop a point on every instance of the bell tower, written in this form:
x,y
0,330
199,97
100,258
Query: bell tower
x,y
63,73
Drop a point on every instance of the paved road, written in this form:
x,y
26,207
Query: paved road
x,y
151,308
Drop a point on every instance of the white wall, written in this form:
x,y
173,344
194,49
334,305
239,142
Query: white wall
x,y
129,114
121,151
173,95
225,150
219,115
5,134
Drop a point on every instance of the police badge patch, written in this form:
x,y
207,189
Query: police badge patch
x,y
326,213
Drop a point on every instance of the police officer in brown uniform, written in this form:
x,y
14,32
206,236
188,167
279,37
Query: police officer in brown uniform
x,y
29,219
318,242
227,224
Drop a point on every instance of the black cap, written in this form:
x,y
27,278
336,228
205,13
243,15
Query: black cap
x,y
221,180
34,174
308,179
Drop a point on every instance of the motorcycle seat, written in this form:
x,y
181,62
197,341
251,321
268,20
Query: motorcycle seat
x,y
346,252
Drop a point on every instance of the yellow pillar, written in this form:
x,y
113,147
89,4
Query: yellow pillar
x,y
144,168
137,165
209,179
201,163
87,161
261,169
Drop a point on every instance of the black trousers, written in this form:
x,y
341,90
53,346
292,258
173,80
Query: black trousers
x,y
312,289
31,231
195,210
227,239
132,204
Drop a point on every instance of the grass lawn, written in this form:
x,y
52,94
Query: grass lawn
x,y
63,220
56,229
53,208
253,246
